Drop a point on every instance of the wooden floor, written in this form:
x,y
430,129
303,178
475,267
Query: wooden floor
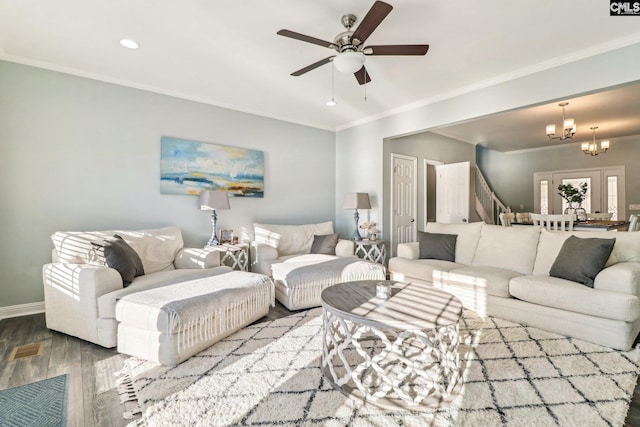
x,y
93,399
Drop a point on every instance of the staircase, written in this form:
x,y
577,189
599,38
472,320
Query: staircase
x,y
488,206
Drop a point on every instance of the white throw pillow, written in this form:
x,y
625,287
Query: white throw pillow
x,y
548,249
157,248
75,246
512,248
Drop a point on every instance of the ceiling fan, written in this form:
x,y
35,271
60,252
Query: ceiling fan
x,y
350,44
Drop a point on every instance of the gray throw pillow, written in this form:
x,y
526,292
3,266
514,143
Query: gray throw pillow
x,y
121,257
580,260
325,244
437,246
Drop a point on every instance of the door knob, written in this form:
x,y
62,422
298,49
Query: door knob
x,y
412,220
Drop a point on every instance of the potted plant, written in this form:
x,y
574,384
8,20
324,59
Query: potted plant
x,y
574,196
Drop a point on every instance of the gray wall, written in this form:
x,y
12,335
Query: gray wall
x,y
428,146
510,175
79,154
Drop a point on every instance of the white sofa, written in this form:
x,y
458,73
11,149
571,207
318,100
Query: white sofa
x,y
285,253
504,272
81,295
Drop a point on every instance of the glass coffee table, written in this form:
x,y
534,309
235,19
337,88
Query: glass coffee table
x,y
395,352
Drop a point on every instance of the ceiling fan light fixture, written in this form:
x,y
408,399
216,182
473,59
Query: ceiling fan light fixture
x,y
349,61
129,44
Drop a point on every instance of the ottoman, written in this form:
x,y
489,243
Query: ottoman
x,y
169,324
300,280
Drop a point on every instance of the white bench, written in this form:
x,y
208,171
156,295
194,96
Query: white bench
x,y
168,325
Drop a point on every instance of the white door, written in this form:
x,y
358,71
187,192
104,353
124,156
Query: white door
x,y
403,199
430,178
592,203
452,192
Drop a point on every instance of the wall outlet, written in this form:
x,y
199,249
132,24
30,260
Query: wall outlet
x,y
635,207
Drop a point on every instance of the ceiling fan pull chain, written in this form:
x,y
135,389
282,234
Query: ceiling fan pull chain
x,y
366,73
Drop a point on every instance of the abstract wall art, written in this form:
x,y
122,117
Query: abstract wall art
x,y
188,167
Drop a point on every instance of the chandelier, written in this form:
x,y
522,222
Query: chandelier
x,y
568,126
591,148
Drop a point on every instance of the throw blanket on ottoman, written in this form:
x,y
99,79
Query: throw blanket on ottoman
x,y
300,280
171,323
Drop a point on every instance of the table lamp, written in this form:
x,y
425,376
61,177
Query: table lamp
x,y
211,200
356,201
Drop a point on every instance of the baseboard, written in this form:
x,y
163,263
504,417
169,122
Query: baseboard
x,y
21,310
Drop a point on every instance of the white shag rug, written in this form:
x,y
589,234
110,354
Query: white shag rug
x,y
269,374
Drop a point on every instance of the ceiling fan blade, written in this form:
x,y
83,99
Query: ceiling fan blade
x,y
308,39
398,49
362,75
373,18
312,66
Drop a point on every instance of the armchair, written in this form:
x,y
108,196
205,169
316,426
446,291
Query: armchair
x,y
306,259
276,243
81,293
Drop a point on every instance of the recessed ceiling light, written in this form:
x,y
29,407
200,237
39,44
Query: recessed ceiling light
x,y
128,43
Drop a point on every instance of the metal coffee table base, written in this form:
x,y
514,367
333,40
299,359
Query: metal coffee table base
x,y
412,369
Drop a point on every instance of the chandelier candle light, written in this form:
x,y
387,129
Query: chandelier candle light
x,y
211,200
356,201
568,126
591,148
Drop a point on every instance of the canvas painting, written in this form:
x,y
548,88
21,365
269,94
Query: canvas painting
x,y
188,167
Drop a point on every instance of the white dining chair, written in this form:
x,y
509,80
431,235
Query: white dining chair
x,y
506,218
634,222
604,216
523,217
554,222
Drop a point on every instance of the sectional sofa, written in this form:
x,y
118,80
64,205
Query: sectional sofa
x,y
505,272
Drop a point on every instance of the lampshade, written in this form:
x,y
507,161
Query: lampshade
x,y
356,201
212,200
349,62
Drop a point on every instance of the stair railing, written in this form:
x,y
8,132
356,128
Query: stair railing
x,y
487,201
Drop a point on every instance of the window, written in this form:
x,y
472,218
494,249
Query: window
x,y
576,182
544,196
612,196
606,190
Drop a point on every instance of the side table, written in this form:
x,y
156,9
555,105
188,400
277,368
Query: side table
x,y
235,256
371,250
